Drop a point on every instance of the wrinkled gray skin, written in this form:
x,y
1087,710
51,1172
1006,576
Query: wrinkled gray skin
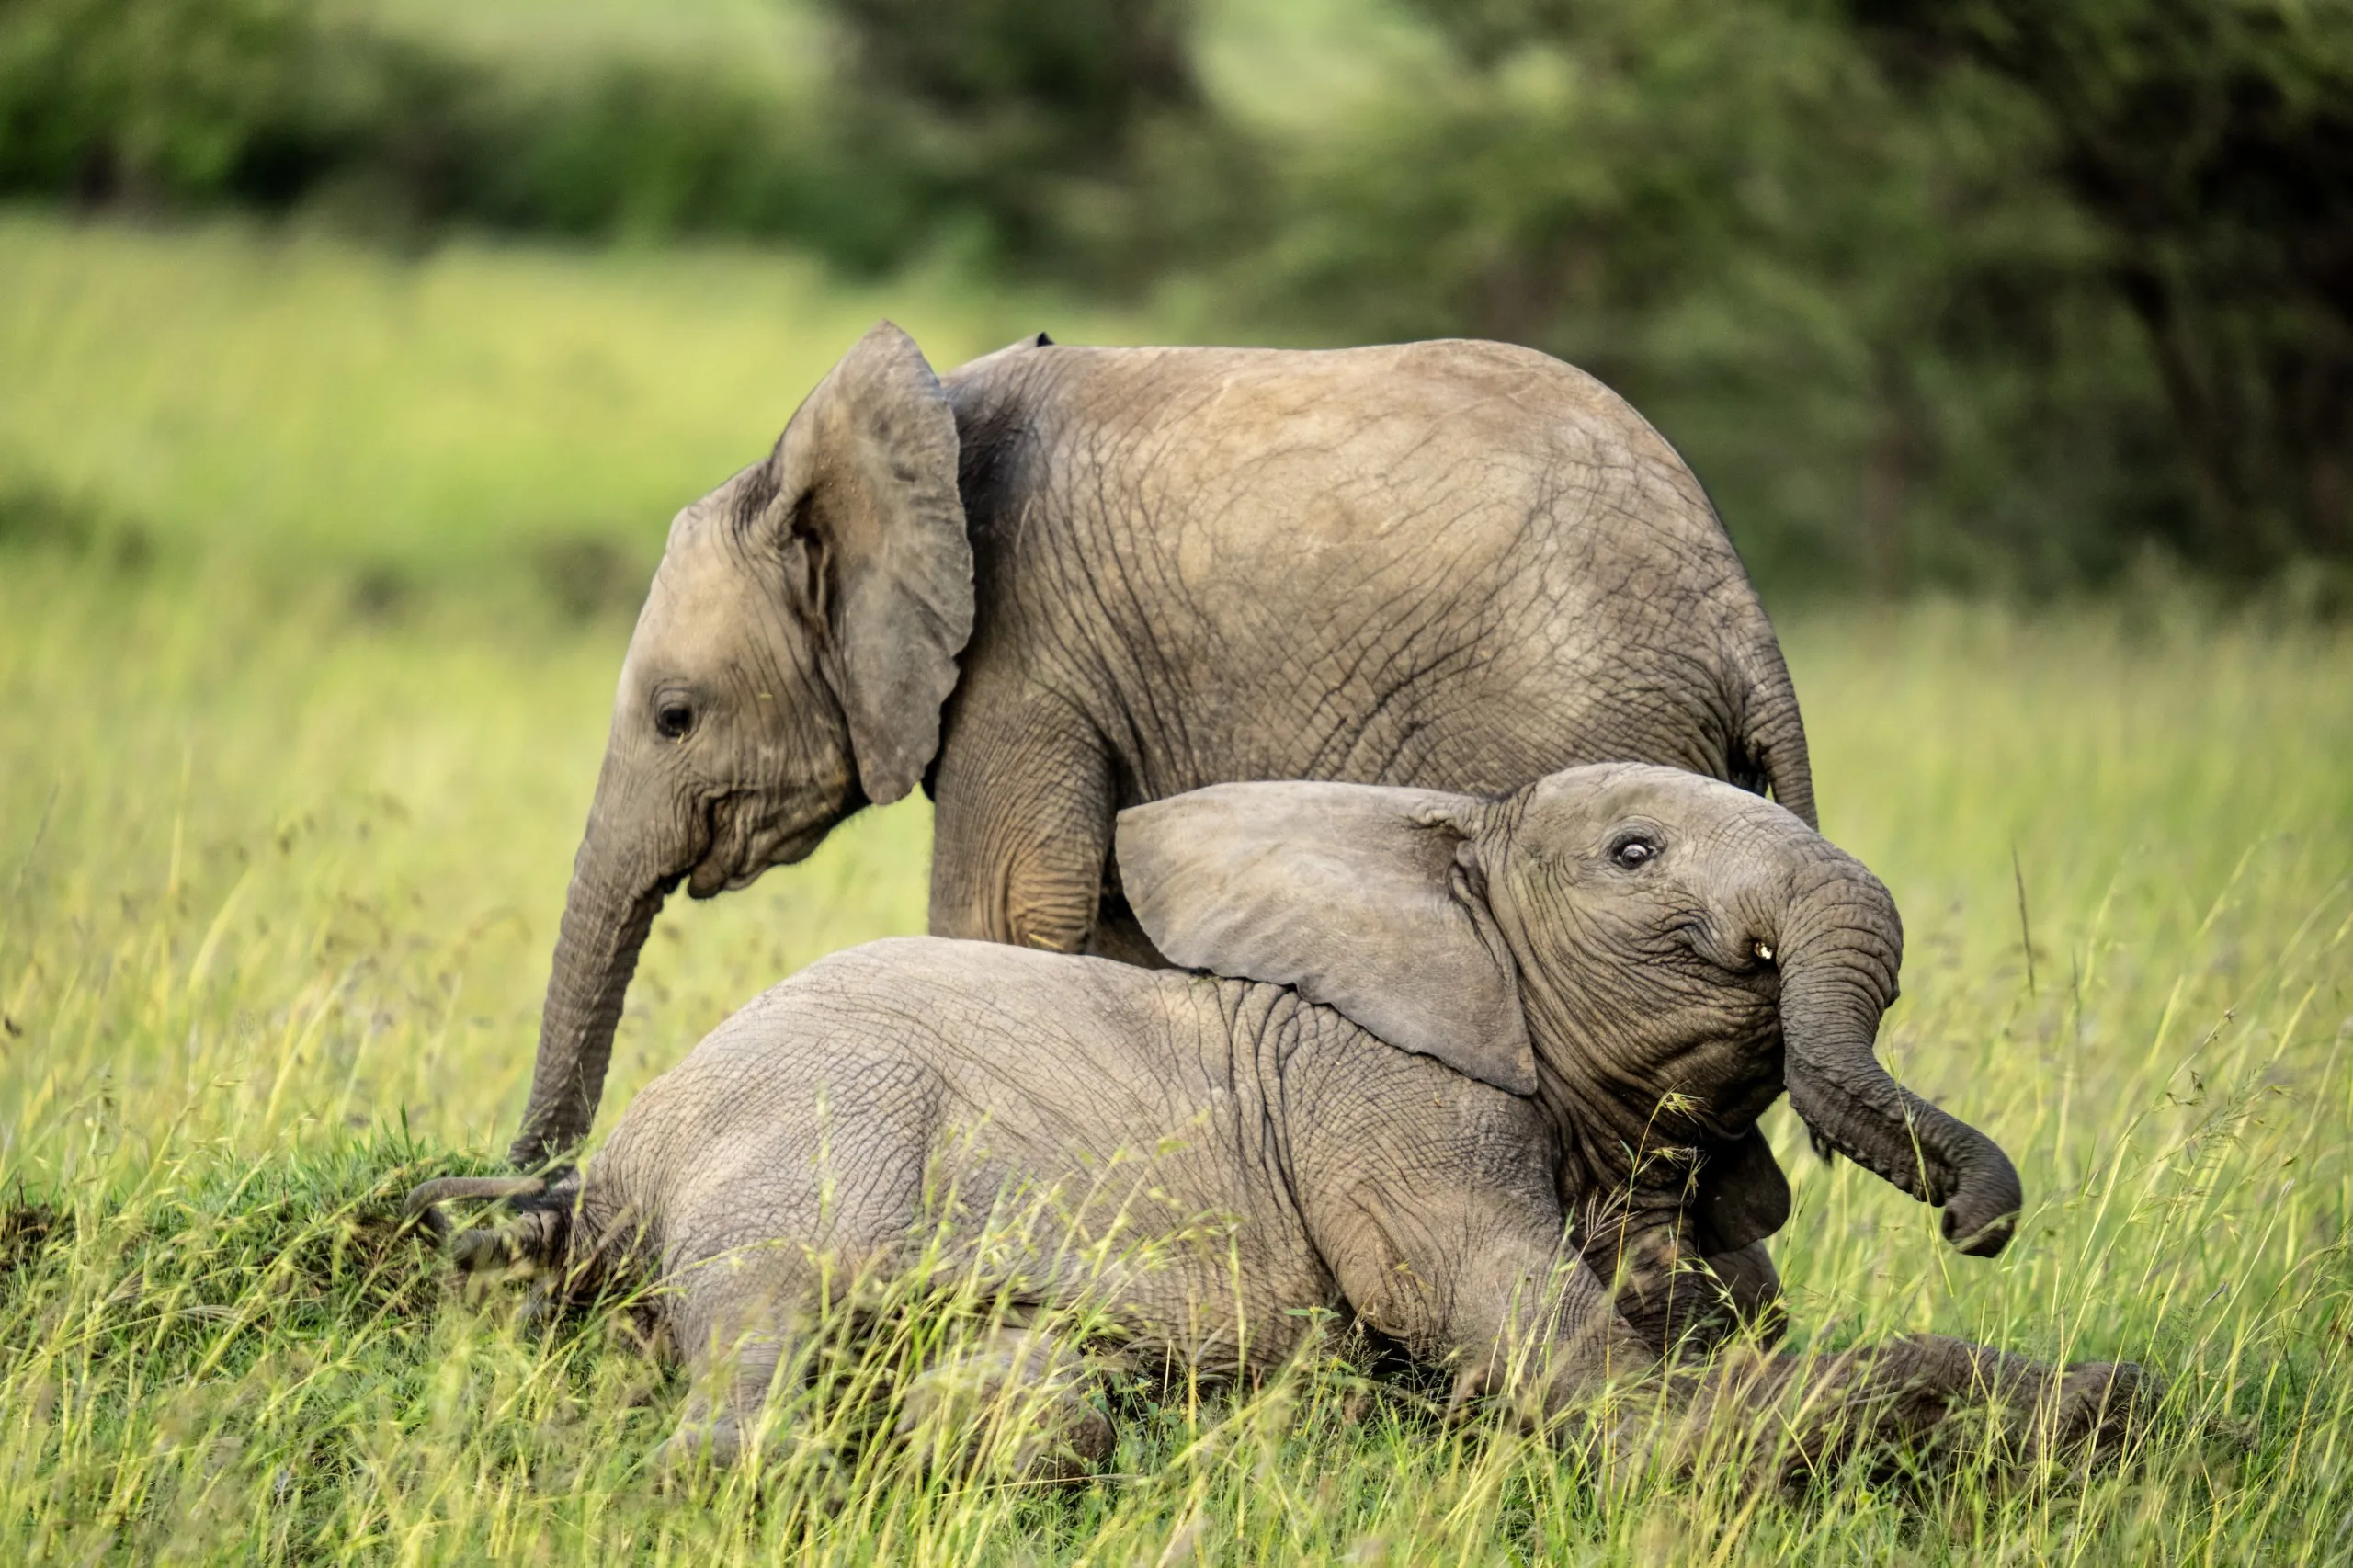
x,y
1066,581
1451,1072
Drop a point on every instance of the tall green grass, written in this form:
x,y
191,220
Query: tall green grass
x,y
281,861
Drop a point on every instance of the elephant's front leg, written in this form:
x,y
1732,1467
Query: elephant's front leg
x,y
1780,1419
1750,1290
1024,820
1682,1296
1683,1305
1536,1350
1521,1319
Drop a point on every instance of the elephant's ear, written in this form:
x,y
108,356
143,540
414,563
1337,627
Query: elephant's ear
x,y
1366,899
865,481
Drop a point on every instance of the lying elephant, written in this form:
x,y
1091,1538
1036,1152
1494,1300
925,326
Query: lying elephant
x,y
1070,580
1467,1054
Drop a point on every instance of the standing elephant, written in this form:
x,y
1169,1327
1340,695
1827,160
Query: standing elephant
x,y
1072,580
1471,1069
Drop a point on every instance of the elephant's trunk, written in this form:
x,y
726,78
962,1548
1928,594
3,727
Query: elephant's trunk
x,y
1840,949
607,914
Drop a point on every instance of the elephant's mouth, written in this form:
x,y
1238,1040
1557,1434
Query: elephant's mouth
x,y
744,841
1737,952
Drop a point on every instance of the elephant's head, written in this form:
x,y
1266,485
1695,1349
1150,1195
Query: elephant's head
x,y
798,640
1654,954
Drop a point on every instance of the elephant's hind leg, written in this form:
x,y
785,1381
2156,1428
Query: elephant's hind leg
x,y
1023,1403
729,1385
737,1321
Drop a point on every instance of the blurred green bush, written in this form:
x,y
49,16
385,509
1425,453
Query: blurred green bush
x,y
277,104
2013,294
2210,146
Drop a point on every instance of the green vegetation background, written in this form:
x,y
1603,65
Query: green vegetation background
x,y
2019,295
319,535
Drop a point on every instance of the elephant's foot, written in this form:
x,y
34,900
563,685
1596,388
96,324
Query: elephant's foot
x,y
701,1443
1021,1406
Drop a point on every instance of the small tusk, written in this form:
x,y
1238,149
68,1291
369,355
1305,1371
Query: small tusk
x,y
1765,951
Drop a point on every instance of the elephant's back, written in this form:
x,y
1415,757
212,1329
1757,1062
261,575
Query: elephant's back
x,y
1345,448
903,1038
1459,564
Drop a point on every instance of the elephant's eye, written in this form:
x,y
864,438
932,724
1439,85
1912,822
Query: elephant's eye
x,y
674,719
1634,849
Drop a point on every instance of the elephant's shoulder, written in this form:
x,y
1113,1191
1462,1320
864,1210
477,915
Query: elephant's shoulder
x,y
1331,1044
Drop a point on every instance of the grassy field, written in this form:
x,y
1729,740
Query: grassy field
x,y
299,708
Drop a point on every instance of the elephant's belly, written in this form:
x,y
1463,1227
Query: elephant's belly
x,y
1169,1267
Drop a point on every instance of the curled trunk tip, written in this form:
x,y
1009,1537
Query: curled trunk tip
x,y
1839,968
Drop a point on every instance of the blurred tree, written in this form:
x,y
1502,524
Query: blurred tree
x,y
280,103
1980,292
1043,124
1842,300
115,98
2213,143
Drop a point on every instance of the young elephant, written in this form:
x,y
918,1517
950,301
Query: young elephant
x,y
1461,1063
1062,580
